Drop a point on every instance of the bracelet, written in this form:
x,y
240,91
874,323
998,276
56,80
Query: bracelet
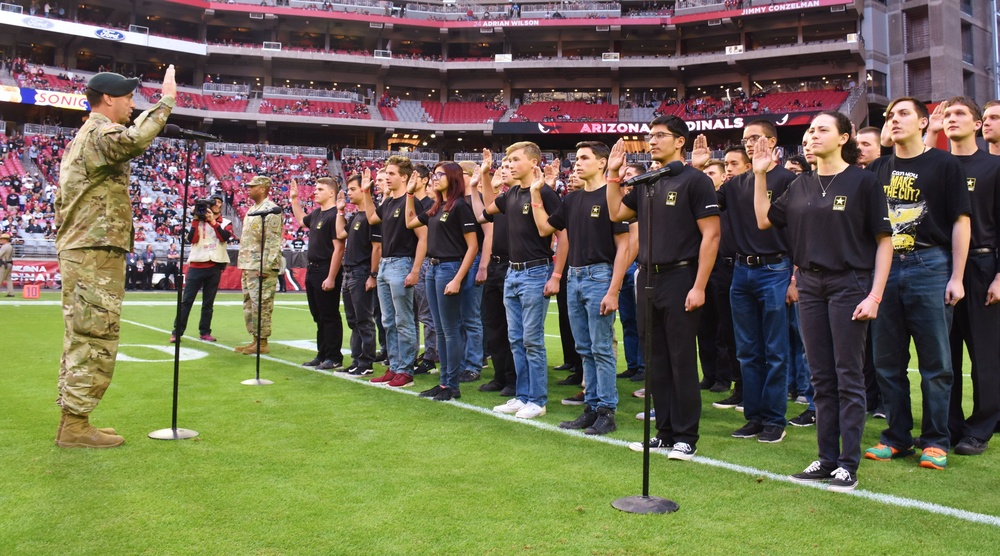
x,y
557,275
875,298
409,194
793,277
538,206
614,180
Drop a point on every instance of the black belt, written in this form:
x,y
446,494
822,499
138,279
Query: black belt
x,y
759,260
436,262
529,264
659,268
497,259
730,261
321,263
982,251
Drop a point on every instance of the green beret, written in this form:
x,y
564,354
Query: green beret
x,y
114,84
259,180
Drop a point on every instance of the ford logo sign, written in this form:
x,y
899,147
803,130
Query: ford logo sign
x,y
38,23
110,35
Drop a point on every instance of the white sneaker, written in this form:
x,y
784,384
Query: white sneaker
x,y
530,411
512,406
641,416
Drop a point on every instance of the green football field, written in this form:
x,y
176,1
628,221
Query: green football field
x,y
319,463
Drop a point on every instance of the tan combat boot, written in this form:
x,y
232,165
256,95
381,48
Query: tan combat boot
x,y
62,422
264,348
249,348
76,432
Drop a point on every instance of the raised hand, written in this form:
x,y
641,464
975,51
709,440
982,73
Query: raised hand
x,y
552,172
169,82
936,119
411,186
700,154
487,161
341,202
366,179
763,157
616,160
536,178
293,190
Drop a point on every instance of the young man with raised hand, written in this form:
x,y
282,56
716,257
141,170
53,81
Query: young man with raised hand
x,y
362,256
977,315
403,252
531,279
597,259
929,210
684,209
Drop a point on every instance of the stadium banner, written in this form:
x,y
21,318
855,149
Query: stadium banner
x,y
71,101
92,31
635,128
44,273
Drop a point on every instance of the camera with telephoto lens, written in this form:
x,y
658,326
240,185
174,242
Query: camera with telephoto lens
x,y
201,208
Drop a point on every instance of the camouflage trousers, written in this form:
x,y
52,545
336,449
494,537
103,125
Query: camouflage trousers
x,y
250,283
93,284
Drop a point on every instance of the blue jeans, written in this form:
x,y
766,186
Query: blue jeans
x,y
526,311
913,306
447,313
760,321
396,301
472,302
593,332
630,326
799,377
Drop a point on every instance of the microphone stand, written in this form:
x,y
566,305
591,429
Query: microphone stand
x,y
174,433
644,503
257,381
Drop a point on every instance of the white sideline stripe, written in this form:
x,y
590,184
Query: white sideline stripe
x,y
173,303
887,499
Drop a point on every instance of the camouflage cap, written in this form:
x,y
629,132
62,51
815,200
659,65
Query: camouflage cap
x,y
259,180
113,84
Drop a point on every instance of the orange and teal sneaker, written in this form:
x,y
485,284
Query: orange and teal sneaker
x,y
934,458
884,452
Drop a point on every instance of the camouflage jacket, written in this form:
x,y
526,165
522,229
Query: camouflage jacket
x,y
249,257
93,208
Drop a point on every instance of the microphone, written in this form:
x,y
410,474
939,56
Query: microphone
x,y
672,169
177,132
265,212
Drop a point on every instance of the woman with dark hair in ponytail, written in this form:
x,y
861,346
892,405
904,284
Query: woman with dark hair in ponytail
x,y
451,249
838,227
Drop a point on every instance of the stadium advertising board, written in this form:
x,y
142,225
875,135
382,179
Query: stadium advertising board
x,y
634,128
20,95
103,33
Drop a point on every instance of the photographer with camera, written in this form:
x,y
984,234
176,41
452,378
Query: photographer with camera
x,y
208,236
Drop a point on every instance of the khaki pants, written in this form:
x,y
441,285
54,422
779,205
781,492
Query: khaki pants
x,y
251,283
6,277
93,286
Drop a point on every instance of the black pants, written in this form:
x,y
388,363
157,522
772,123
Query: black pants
x,y
325,308
132,277
727,365
835,344
673,368
978,326
708,331
570,356
495,324
359,308
206,280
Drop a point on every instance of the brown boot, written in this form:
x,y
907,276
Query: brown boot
x,y
264,349
62,422
249,348
76,432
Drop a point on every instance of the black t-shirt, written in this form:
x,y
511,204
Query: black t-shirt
x,y
397,239
677,205
982,171
926,195
360,237
836,232
590,231
298,244
523,242
499,247
480,235
424,204
322,226
736,203
446,230
727,245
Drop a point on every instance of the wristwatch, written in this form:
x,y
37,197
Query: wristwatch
x,y
373,274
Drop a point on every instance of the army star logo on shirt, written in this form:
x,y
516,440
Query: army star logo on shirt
x,y
357,226
970,183
395,213
526,208
671,198
319,224
444,217
769,195
840,203
595,211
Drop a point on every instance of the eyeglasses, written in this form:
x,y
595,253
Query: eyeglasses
x,y
660,135
752,139
437,175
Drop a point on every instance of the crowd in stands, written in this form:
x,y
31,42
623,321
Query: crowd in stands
x,y
306,107
26,202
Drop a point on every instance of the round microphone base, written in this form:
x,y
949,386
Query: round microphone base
x,y
256,382
645,505
173,434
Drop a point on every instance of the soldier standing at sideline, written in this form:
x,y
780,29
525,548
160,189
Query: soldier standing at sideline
x,y
6,263
94,217
248,261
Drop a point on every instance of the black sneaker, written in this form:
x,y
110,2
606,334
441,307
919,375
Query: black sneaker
x,y
432,392
468,376
574,379
350,369
312,362
732,401
771,434
491,386
381,356
328,365
682,451
971,446
719,387
879,412
656,444
575,400
748,430
423,367
585,420
563,367
806,419
815,473
508,391
604,424
627,373
843,481
706,383
361,371
447,394
639,376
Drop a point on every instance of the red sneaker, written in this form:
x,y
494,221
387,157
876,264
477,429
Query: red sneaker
x,y
207,337
400,381
387,377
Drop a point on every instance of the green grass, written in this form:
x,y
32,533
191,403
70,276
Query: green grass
x,y
320,465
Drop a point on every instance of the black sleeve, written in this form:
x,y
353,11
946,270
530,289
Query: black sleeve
x,y
776,213
959,201
629,200
720,195
501,202
877,217
307,219
190,236
225,233
619,228
704,201
422,215
558,219
463,212
550,199
375,233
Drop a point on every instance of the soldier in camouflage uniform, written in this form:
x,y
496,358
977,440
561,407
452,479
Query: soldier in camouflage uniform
x,y
6,263
94,217
249,263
